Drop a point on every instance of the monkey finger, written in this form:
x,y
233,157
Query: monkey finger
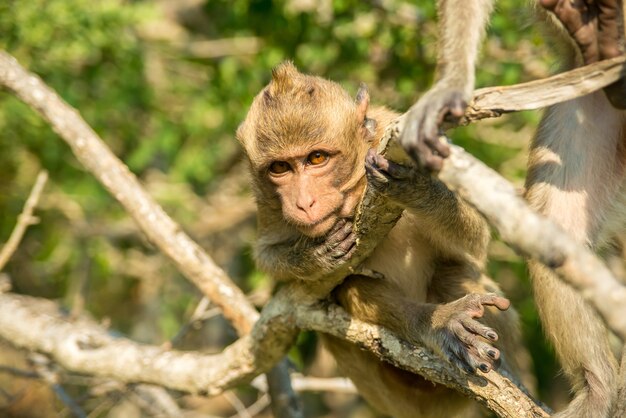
x,y
609,32
457,108
340,235
440,145
471,360
427,159
457,355
491,299
477,328
339,225
476,301
375,176
397,171
479,358
348,254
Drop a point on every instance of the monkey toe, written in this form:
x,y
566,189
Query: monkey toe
x,y
477,301
465,359
477,328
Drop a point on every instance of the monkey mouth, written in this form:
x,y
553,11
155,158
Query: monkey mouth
x,y
319,227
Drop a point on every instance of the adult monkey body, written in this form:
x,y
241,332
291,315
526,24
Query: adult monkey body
x,y
576,175
307,140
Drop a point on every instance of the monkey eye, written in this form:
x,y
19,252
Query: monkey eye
x,y
317,157
279,167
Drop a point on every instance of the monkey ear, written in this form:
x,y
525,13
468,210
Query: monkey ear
x,y
362,102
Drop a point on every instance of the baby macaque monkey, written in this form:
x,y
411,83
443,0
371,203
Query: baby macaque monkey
x,y
311,152
576,169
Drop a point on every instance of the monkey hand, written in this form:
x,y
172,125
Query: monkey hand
x,y
595,28
308,258
421,136
397,182
463,340
337,246
313,258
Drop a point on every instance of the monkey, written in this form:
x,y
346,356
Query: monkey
x,y
311,153
576,169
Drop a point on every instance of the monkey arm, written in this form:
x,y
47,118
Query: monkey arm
x,y
454,225
461,28
305,258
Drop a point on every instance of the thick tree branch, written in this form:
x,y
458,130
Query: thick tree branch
x,y
96,157
493,390
81,345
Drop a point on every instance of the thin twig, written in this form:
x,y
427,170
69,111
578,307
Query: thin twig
x,y
156,400
42,366
25,374
313,384
323,384
25,219
257,407
236,403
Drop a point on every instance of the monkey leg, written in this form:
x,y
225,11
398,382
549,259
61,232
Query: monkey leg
x,y
391,390
576,167
456,288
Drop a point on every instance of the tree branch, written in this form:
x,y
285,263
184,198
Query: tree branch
x,y
83,346
25,219
492,102
94,155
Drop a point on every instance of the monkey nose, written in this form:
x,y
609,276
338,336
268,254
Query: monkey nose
x,y
305,203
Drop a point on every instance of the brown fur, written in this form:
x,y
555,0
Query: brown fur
x,y
430,260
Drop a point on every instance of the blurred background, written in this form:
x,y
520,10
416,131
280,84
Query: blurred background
x,y
165,84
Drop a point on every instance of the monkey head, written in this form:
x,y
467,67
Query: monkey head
x,y
306,140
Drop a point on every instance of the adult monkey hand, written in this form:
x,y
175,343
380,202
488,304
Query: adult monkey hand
x,y
594,25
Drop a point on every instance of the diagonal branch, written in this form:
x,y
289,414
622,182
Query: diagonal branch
x,y
96,157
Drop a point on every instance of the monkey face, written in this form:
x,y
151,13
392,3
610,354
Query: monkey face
x,y
308,188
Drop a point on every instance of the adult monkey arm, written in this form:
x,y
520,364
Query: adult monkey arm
x,y
461,27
